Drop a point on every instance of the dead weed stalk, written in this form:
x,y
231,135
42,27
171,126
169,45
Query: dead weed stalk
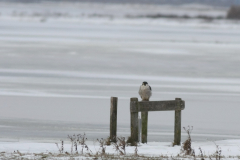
x,y
187,145
102,151
120,145
60,149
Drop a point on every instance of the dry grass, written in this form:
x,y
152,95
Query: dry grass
x,y
187,145
130,142
121,151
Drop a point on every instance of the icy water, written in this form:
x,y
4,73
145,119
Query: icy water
x,y
57,76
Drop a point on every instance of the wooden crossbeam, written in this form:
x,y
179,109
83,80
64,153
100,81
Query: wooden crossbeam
x,y
145,106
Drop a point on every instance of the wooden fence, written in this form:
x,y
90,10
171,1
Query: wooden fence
x,y
144,107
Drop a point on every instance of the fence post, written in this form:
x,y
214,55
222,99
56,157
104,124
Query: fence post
x,y
113,119
134,119
144,116
139,129
177,123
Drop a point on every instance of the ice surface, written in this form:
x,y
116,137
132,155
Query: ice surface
x,y
62,71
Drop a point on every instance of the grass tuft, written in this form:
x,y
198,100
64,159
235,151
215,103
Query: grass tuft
x,y
187,145
130,142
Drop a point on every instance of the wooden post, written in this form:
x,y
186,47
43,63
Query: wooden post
x,y
144,116
113,119
134,119
177,123
139,129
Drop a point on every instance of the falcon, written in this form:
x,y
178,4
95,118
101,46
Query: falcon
x,y
145,91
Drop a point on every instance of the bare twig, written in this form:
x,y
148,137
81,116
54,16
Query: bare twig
x,y
201,153
136,150
62,147
81,139
187,145
72,139
102,147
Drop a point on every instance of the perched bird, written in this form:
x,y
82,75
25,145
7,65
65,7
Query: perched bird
x,y
145,91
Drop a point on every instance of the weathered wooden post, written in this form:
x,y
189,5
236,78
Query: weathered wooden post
x,y
134,118
113,119
139,129
177,123
144,116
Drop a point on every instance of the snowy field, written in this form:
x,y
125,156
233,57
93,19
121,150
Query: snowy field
x,y
159,150
60,63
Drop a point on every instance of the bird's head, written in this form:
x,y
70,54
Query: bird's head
x,y
144,83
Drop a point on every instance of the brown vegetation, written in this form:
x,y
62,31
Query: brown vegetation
x,y
187,145
120,147
234,12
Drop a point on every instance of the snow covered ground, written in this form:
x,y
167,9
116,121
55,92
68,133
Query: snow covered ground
x,y
60,65
229,150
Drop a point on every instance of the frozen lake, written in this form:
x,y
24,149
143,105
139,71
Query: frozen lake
x,y
57,76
